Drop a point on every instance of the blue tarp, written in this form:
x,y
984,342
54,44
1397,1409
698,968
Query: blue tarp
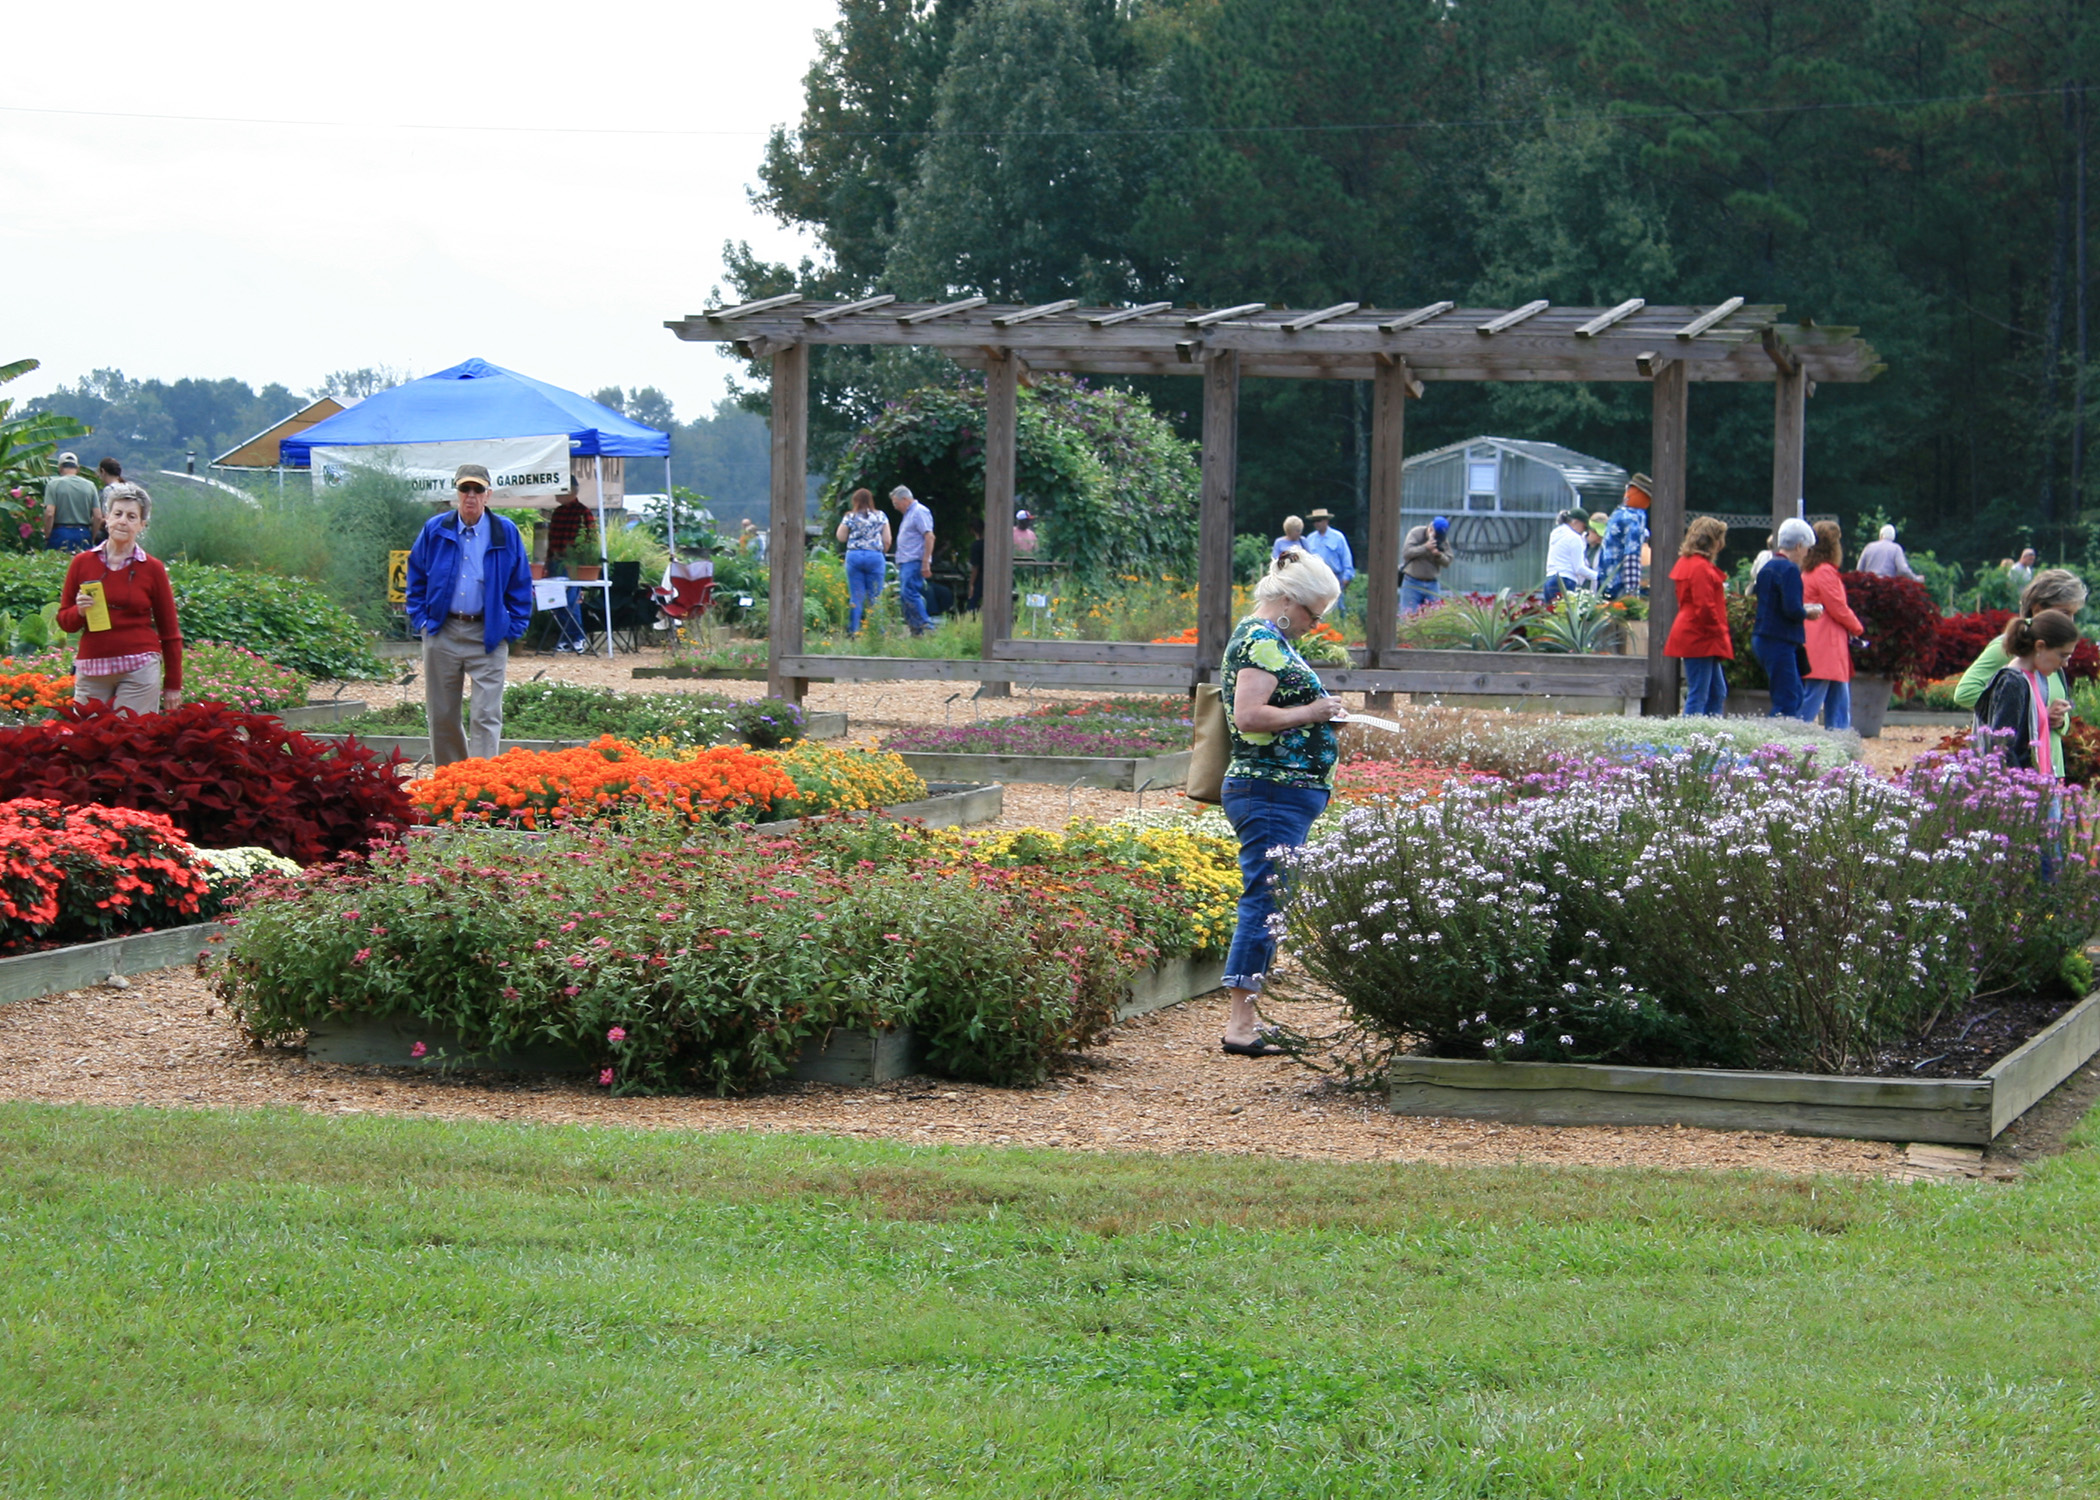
x,y
477,400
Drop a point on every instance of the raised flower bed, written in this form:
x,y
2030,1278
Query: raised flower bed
x,y
1704,938
1119,743
723,963
609,779
561,716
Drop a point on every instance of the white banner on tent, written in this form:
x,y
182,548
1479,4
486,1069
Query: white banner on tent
x,y
524,469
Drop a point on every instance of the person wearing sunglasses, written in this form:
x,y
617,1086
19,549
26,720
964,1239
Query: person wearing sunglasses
x,y
469,596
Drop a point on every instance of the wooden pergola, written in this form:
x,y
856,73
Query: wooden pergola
x,y
1399,350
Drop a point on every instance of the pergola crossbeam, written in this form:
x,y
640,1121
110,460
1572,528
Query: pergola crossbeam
x,y
848,309
945,310
1314,319
747,309
1128,314
1706,321
1511,319
1226,314
1604,320
1030,314
1416,318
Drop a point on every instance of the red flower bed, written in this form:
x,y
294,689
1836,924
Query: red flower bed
x,y
1963,637
227,779
74,874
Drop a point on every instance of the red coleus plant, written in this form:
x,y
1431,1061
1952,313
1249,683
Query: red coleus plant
x,y
70,874
1963,637
1902,626
227,779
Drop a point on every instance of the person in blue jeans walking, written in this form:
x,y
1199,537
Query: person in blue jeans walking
x,y
914,558
1779,637
1284,748
866,533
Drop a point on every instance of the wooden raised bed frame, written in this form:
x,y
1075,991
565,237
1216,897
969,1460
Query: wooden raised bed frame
x,y
847,1055
1951,1111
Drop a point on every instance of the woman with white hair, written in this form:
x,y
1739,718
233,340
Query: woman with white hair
x,y
1780,637
1284,748
1293,536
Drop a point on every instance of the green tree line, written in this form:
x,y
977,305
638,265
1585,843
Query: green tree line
x,y
1916,168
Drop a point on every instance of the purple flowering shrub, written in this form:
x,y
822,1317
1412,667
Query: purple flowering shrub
x,y
1699,907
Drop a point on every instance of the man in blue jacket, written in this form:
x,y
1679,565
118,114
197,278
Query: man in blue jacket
x,y
469,596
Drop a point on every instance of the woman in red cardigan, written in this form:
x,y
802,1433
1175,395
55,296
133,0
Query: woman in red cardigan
x,y
1699,634
137,662
1827,686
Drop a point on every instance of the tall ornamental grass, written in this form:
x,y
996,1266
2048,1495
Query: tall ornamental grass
x,y
1700,908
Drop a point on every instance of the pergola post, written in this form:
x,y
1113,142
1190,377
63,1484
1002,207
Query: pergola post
x,y
784,538
1665,531
1221,454
1789,440
1002,375
1382,522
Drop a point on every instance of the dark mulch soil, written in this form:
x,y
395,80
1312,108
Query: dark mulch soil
x,y
1969,1043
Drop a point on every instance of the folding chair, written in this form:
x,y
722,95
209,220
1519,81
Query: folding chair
x,y
686,595
633,606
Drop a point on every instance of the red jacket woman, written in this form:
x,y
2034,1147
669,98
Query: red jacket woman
x,y
1830,638
1701,626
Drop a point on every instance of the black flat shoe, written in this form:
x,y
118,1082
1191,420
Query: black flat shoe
x,y
1257,1048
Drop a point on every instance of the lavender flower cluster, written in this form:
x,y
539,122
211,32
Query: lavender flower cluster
x,y
1700,907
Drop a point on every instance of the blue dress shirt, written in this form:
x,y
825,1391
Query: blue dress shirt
x,y
467,596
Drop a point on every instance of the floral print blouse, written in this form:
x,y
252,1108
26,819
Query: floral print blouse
x,y
1304,756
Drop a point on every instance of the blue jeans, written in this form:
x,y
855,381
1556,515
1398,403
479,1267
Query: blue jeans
x,y
1705,686
1558,584
1783,668
1266,815
911,591
1826,700
70,539
1418,593
566,618
863,582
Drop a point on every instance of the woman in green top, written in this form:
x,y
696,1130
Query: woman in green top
x,y
2053,588
1281,722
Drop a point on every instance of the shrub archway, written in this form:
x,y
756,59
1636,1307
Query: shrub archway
x,y
1112,487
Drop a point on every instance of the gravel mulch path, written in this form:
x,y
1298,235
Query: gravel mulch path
x,y
1159,1084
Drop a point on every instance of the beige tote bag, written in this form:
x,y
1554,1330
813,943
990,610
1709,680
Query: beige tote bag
x,y
1212,750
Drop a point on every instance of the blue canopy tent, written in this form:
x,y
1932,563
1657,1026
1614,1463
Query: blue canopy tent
x,y
477,402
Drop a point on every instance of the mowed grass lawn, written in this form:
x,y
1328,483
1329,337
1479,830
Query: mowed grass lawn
x,y
272,1304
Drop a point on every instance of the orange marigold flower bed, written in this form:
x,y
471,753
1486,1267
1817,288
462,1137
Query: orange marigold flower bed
x,y
32,692
540,788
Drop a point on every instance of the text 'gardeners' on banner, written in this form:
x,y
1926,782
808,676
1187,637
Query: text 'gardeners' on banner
x,y
525,470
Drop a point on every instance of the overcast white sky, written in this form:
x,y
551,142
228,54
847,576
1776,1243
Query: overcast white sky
x,y
285,251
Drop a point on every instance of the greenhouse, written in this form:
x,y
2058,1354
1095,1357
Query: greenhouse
x,y
1501,495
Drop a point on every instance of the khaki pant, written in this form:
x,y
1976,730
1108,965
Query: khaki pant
x,y
452,657
137,690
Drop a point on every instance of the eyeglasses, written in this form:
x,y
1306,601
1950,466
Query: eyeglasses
x,y
473,489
